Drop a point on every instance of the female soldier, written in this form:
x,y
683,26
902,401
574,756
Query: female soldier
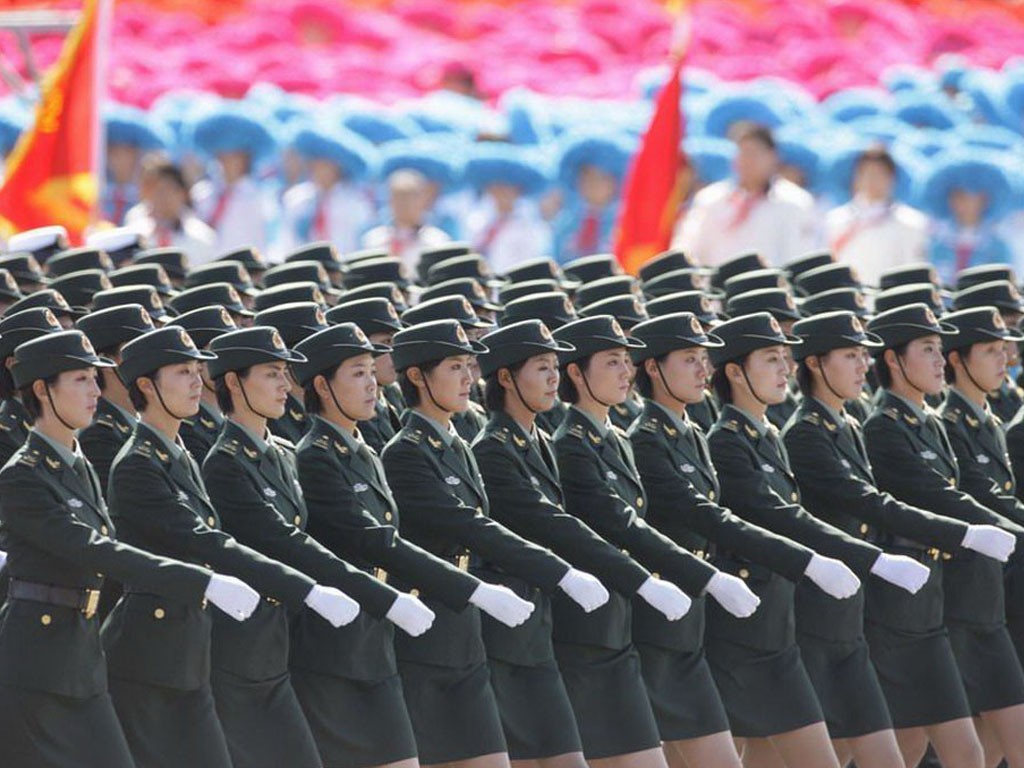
x,y
751,373
912,459
54,706
159,650
599,663
673,459
517,464
837,483
439,491
976,360
348,681
252,483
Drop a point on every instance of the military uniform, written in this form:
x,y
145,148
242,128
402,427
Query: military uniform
x,y
158,651
200,432
55,708
14,427
384,425
101,440
293,425
1006,401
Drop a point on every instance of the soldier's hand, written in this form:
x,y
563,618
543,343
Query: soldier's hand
x,y
905,572
584,589
334,605
733,594
666,598
501,604
833,576
233,596
990,541
3,559
410,615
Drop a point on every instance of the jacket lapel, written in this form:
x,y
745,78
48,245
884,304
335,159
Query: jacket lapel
x,y
930,444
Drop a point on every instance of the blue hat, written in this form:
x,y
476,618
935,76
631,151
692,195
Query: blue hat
x,y
131,126
529,118
797,150
232,127
927,110
971,172
732,108
349,151
14,118
610,153
493,163
987,93
378,125
854,103
441,161
839,168
907,78
710,157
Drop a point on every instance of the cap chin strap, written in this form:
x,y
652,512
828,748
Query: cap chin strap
x,y
163,405
337,405
430,394
668,389
906,378
971,377
590,391
743,368
248,405
522,399
56,413
824,377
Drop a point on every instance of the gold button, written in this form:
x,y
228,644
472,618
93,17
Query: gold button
x,y
45,619
298,520
480,510
625,552
388,516
655,575
1008,485
414,592
794,496
159,613
951,481
863,527
211,521
104,530
711,495
639,502
744,573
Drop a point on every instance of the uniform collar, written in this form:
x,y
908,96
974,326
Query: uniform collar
x,y
983,413
915,409
760,425
839,417
602,429
447,435
348,439
128,416
69,457
172,447
261,444
676,421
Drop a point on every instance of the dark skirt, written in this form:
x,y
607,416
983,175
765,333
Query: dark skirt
x,y
356,723
170,728
535,711
847,686
765,693
989,667
919,675
609,699
682,692
263,722
44,730
454,712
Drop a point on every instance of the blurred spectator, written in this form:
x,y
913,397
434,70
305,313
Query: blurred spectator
x,y
407,233
170,222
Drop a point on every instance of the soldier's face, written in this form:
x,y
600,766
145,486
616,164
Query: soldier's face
x,y
385,368
266,389
75,394
450,383
846,370
609,376
537,382
987,365
923,364
768,374
685,372
355,387
181,388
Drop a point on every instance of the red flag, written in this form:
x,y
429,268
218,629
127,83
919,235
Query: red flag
x,y
51,175
652,195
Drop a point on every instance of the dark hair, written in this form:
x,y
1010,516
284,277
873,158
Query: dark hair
x,y
804,378
223,394
172,173
567,391
720,382
138,399
642,381
882,372
33,408
948,370
494,393
111,352
876,154
744,130
409,391
6,382
310,398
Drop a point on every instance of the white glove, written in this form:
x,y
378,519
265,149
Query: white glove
x,y
665,597
733,594
990,541
3,558
833,577
334,605
411,615
501,604
584,589
905,572
233,596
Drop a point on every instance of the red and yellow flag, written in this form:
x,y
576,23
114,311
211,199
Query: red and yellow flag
x,y
52,172
651,194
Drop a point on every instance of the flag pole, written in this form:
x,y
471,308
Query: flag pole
x,y
99,150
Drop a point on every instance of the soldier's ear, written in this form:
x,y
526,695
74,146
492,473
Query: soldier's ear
x,y
505,378
415,375
39,390
651,366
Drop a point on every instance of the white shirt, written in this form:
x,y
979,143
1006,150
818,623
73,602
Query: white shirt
x,y
405,242
520,236
346,214
725,221
876,237
195,238
241,219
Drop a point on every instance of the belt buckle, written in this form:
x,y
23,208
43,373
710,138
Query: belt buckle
x,y
934,553
700,554
462,562
381,575
92,603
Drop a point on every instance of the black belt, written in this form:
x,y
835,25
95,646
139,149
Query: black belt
x,y
85,600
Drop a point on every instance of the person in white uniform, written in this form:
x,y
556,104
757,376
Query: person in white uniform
x,y
407,233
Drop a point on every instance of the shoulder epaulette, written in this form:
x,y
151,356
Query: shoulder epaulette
x,y
105,420
341,448
323,442
732,425
414,436
952,415
207,423
4,427
812,417
892,413
29,459
144,448
576,430
230,447
501,435
649,425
